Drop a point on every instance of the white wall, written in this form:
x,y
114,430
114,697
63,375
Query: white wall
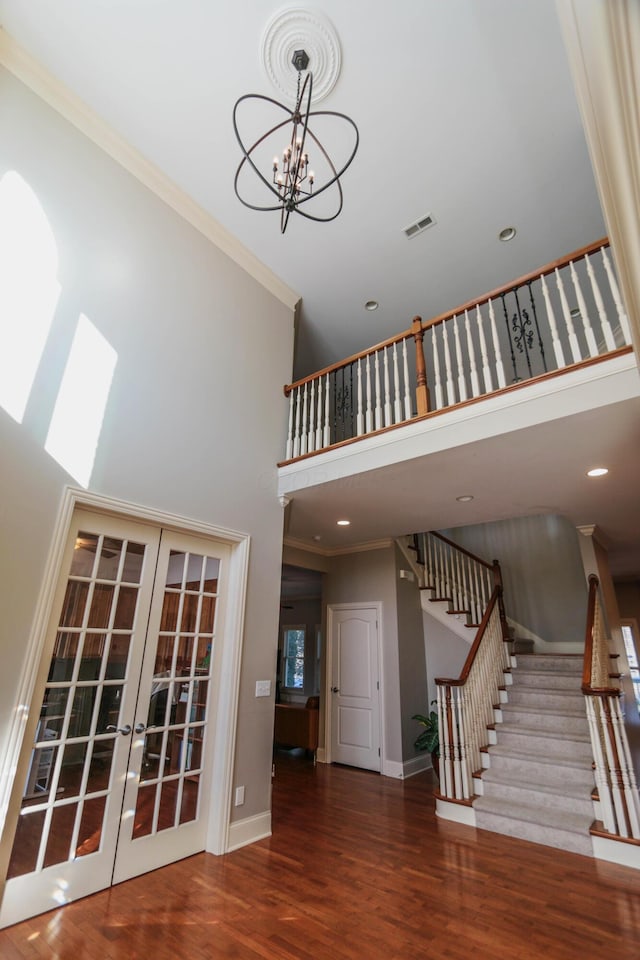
x,y
195,419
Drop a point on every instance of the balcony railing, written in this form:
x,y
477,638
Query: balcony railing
x,y
566,314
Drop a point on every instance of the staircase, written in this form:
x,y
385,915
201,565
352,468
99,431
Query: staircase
x,y
539,779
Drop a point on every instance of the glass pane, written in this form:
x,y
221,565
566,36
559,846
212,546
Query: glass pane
x,y
40,772
64,655
295,643
109,711
144,811
194,748
158,705
189,612
199,702
194,571
101,605
52,713
294,673
211,574
26,844
60,833
207,614
91,826
84,555
189,805
74,604
70,779
164,655
109,559
185,655
92,654
126,608
169,620
132,570
168,797
203,656
175,568
152,755
82,712
118,657
100,768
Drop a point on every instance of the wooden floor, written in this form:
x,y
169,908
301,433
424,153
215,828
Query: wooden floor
x,y
358,867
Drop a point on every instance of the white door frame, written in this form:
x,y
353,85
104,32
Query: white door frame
x,y
13,766
332,609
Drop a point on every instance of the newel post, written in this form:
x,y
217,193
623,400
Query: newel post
x,y
422,398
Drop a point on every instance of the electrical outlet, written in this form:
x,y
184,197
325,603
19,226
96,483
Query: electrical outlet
x,y
263,688
239,796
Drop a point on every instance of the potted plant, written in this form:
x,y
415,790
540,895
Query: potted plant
x,y
429,738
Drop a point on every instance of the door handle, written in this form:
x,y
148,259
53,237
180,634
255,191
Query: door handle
x,y
125,731
335,690
139,728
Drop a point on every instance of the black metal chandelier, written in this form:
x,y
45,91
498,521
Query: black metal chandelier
x,y
293,183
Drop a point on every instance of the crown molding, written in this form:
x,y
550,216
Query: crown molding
x,y
30,72
338,551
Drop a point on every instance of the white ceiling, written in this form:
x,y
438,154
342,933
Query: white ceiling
x,y
465,110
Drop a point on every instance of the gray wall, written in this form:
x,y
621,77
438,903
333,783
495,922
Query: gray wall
x,y
544,587
445,652
411,656
194,422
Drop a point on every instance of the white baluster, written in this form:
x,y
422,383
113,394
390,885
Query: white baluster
x,y
609,338
360,414
625,769
555,339
475,383
615,293
327,427
566,313
407,391
486,370
451,396
477,591
436,369
289,451
499,366
378,407
397,406
369,417
318,441
296,437
303,431
592,346
462,383
602,782
388,419
312,417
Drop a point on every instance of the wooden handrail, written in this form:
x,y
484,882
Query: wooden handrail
x,y
467,553
514,284
462,679
587,689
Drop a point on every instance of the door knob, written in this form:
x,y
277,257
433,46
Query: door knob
x,y
125,731
335,690
140,728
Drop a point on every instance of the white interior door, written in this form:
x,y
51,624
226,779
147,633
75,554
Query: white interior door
x,y
117,777
355,687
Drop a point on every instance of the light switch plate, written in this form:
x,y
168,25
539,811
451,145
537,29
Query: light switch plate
x,y
263,688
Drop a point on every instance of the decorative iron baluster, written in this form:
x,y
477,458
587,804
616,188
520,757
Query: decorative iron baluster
x,y
535,320
520,324
516,378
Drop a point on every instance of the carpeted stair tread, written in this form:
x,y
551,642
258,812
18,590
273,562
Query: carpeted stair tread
x,y
565,710
562,830
559,788
548,735
529,812
500,750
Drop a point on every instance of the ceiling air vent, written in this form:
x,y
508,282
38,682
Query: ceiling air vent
x,y
422,224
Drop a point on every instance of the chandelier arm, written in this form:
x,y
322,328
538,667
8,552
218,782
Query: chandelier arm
x,y
247,153
337,173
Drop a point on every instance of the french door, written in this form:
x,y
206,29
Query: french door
x,y
118,778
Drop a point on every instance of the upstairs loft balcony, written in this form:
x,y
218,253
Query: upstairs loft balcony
x,y
544,363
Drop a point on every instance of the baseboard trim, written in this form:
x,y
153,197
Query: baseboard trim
x,y
249,830
625,854
458,812
409,768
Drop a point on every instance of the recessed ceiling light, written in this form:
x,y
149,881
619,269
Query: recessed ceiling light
x,y
464,499
597,472
344,523
508,233
371,305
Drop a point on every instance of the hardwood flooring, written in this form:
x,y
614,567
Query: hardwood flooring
x,y
358,867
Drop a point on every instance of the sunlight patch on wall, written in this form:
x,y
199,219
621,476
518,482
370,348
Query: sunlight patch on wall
x,y
29,290
81,403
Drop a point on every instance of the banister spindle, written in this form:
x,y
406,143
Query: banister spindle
x,y
407,391
318,441
327,412
498,364
473,372
605,326
592,346
566,313
422,397
388,419
360,413
369,416
289,450
378,408
462,383
436,368
617,299
397,406
486,369
555,339
296,438
303,431
311,437
451,395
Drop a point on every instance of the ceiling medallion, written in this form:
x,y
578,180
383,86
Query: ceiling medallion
x,y
290,30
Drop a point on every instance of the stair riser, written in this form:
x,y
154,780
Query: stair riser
x,y
547,699
552,749
543,773
549,836
492,788
548,725
546,681
553,664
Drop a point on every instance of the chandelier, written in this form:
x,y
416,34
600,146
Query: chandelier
x,y
289,176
